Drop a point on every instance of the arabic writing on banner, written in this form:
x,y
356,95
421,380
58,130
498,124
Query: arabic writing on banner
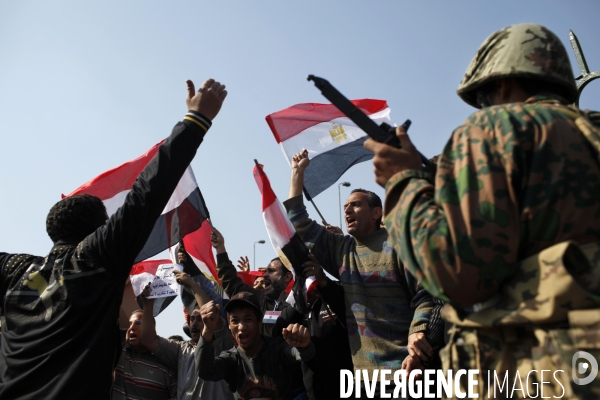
x,y
165,283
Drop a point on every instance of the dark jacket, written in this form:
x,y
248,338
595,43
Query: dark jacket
x,y
233,284
265,376
326,323
60,339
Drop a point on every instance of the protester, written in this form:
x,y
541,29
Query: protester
x,y
387,310
180,355
326,323
507,230
272,299
258,367
60,311
139,374
206,288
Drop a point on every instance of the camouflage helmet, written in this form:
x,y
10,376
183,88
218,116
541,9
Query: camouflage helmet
x,y
519,51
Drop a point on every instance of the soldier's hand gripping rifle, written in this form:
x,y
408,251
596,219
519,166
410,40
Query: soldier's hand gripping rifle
x,y
383,133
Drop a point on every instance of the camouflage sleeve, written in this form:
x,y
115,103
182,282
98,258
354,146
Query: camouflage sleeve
x,y
461,244
324,245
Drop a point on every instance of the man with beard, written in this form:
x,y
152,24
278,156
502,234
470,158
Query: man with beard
x,y
139,374
180,355
271,299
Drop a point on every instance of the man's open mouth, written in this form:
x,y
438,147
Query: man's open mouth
x,y
243,339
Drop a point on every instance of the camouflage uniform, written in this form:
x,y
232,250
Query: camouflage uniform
x,y
514,183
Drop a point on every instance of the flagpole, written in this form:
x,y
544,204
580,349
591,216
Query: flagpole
x,y
314,205
307,197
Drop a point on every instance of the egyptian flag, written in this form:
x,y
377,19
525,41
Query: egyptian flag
x,y
333,141
285,241
202,267
184,213
248,277
199,247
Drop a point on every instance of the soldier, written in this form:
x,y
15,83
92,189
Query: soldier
x,y
509,231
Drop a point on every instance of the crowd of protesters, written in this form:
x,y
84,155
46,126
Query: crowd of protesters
x,y
381,310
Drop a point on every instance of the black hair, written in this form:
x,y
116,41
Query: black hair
x,y
75,217
177,338
282,269
372,200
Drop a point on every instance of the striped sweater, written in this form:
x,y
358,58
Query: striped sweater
x,y
143,376
384,303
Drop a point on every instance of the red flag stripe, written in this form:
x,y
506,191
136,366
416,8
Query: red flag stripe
x,y
295,119
198,245
118,179
268,196
149,266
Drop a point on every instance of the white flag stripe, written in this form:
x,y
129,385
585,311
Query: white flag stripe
x,y
113,204
279,227
202,267
317,138
187,184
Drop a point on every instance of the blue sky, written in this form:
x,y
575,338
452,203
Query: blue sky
x,y
86,86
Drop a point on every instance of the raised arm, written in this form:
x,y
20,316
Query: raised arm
x,y
186,280
209,367
232,283
149,336
325,245
118,242
299,163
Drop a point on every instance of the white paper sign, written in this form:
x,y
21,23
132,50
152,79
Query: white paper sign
x,y
165,283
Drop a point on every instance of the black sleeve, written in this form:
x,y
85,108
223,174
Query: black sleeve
x,y
211,368
232,283
288,316
118,242
189,267
333,295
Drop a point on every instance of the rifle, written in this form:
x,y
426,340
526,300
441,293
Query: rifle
x,y
383,133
